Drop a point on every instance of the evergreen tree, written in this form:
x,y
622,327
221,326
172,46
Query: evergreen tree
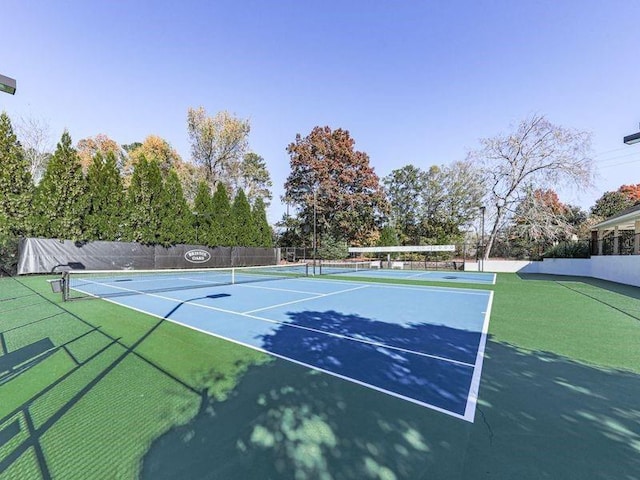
x,y
388,237
612,203
331,248
203,227
262,229
243,226
105,199
60,201
146,204
222,231
16,187
177,224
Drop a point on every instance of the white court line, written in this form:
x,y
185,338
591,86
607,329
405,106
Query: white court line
x,y
321,295
470,408
421,274
301,327
246,285
315,330
464,291
474,388
298,362
399,275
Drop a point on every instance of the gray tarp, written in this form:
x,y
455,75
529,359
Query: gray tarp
x,y
41,255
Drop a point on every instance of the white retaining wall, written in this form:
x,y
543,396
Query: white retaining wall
x,y
616,268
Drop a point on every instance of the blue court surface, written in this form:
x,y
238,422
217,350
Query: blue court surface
x,y
423,275
421,344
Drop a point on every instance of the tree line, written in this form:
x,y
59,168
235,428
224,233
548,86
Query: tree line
x,y
509,182
96,192
145,192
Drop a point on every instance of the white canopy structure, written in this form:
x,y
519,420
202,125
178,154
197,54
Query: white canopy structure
x,y
404,249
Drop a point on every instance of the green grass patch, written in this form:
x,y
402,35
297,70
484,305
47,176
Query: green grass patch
x,y
106,433
16,392
554,315
180,351
26,466
117,380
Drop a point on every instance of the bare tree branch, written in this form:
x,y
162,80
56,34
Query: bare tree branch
x,y
536,155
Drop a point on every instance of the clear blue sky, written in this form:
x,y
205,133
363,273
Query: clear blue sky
x,y
413,81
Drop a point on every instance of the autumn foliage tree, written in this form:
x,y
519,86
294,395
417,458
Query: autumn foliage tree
x,y
632,192
327,171
155,149
88,147
218,143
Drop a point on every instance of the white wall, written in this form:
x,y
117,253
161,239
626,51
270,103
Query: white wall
x,y
616,268
581,267
501,266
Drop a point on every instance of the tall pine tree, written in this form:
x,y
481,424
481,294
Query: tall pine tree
x,y
222,222
176,225
105,199
262,229
60,201
243,226
16,188
203,217
146,204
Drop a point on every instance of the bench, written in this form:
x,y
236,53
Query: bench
x,y
376,264
399,265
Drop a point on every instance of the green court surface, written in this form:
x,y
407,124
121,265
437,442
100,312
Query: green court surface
x,y
89,389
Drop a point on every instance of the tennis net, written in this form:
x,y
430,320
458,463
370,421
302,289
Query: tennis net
x,y
334,268
79,284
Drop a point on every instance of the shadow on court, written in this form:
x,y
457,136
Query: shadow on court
x,y
541,416
546,416
285,421
426,379
441,340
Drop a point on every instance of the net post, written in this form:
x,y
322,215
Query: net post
x,y
233,276
65,286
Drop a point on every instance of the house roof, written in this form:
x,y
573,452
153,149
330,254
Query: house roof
x,y
625,220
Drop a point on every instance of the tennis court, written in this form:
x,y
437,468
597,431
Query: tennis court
x,y
375,270
422,344
96,390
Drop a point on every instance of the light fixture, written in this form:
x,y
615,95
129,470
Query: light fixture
x,y
7,85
